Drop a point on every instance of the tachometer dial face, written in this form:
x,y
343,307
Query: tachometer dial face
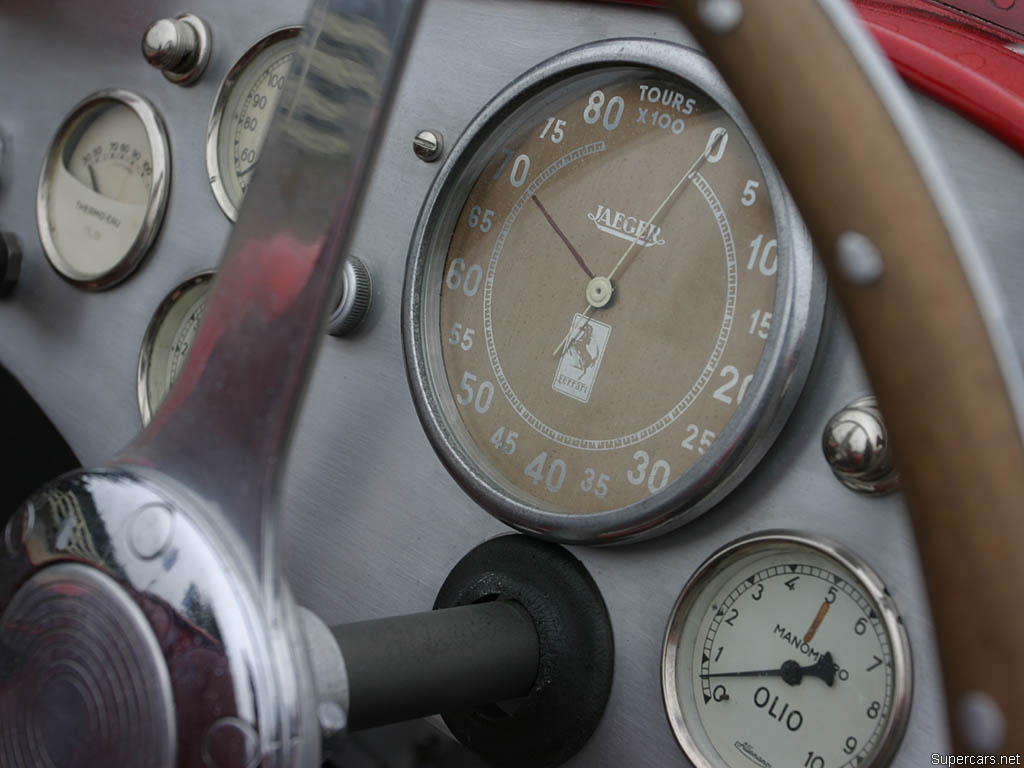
x,y
103,189
241,115
600,295
168,341
786,650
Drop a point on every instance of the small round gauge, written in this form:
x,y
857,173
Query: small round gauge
x,y
103,189
786,650
168,341
241,115
610,305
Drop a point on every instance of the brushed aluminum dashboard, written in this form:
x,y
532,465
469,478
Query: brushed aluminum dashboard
x,y
373,523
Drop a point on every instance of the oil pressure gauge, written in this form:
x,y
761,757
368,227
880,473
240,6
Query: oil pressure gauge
x,y
103,189
241,115
168,341
786,650
610,303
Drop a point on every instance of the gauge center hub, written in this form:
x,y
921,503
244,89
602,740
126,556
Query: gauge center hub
x,y
599,292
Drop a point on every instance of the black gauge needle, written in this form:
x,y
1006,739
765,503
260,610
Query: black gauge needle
x,y
247,170
561,234
92,176
791,672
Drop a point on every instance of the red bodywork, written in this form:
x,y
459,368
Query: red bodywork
x,y
972,65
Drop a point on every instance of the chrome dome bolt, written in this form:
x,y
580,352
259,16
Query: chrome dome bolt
x,y
857,449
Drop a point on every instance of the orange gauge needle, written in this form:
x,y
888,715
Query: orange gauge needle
x,y
817,621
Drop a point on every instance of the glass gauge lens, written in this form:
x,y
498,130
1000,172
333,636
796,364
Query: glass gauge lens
x,y
168,341
783,650
609,273
241,115
103,189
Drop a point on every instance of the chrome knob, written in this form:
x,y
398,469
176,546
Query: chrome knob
x,y
857,449
179,47
10,262
354,302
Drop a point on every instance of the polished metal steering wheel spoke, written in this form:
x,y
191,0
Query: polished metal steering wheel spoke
x,y
225,427
185,633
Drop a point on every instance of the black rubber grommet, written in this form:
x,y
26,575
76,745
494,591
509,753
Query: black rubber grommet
x,y
574,675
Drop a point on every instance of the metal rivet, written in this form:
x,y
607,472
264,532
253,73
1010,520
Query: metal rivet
x,y
720,16
332,718
859,259
150,531
428,145
981,722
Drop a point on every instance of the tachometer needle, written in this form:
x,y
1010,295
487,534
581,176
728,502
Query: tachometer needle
x,y
717,136
820,617
561,234
791,672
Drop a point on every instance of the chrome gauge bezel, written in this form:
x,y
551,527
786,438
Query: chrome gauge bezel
x,y
220,192
700,586
146,408
781,372
160,151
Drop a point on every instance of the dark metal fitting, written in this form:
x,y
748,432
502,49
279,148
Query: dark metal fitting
x,y
563,708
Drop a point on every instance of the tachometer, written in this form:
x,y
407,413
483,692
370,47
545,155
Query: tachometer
x,y
610,304
786,650
103,189
241,115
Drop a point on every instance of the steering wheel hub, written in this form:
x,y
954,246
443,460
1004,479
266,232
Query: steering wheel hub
x,y
132,633
86,682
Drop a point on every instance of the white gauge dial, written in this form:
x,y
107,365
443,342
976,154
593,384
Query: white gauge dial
x,y
168,341
103,189
241,115
784,651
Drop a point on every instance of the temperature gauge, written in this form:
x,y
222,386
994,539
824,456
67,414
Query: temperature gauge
x,y
784,650
241,115
168,341
103,189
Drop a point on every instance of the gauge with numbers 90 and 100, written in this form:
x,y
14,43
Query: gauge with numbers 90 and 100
x,y
169,339
103,189
610,304
786,650
241,115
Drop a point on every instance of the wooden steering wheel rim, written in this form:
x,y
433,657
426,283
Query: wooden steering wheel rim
x,y
906,270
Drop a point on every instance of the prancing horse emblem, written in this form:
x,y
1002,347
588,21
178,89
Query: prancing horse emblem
x,y
579,364
579,348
